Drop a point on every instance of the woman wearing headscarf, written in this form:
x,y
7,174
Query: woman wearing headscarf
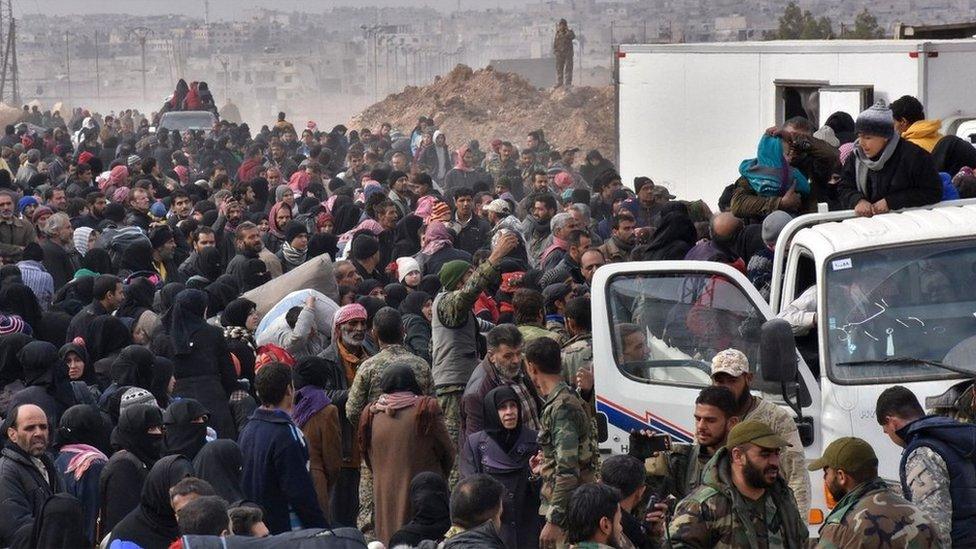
x,y
430,513
465,172
438,249
186,427
220,463
105,338
416,311
83,436
81,373
11,372
261,192
202,364
83,238
253,274
46,380
503,450
346,214
153,522
294,249
674,237
137,441
58,524
220,292
206,263
278,218
239,320
318,418
401,434
408,236
137,305
395,294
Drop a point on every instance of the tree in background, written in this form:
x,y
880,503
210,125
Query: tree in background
x,y
865,28
796,24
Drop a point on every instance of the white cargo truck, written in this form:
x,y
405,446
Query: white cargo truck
x,y
688,114
896,305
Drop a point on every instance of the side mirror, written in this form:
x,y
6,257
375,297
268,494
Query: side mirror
x,y
602,432
778,351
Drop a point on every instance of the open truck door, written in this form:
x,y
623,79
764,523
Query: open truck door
x,y
656,327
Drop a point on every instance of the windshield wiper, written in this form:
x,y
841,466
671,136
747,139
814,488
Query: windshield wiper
x,y
907,360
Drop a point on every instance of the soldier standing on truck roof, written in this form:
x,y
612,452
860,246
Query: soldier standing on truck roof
x,y
562,48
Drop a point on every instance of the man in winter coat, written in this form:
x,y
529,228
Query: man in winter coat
x,y
27,473
949,152
275,471
476,514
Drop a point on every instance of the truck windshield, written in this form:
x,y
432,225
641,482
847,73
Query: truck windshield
x,y
900,314
187,120
666,327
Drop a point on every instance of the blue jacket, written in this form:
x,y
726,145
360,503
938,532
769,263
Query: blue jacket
x,y
955,443
275,472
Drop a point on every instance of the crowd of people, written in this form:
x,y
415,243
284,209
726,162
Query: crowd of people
x,y
378,337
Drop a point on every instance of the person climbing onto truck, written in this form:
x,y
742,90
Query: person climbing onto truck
x,y
886,172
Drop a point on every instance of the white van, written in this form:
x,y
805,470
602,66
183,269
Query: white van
x,y
896,298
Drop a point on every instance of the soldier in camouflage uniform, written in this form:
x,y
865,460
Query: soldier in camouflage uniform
x,y
388,333
454,331
742,501
504,164
577,351
562,48
868,513
570,454
730,368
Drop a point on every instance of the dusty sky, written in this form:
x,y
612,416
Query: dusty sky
x,y
226,9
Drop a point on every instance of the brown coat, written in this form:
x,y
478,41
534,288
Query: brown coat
x,y
324,452
14,235
397,453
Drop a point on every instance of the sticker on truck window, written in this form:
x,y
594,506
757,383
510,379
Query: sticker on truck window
x,y
841,264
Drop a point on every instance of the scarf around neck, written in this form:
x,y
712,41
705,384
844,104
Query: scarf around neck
x,y
308,402
293,256
863,163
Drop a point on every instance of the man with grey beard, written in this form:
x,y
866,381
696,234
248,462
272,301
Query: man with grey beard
x,y
341,361
15,233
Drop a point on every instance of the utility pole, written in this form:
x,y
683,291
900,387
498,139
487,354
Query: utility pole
x,y
8,44
67,64
98,85
141,34
222,59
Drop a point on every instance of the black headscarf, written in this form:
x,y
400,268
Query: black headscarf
x,y
88,375
493,425
153,522
674,237
431,516
431,284
399,378
309,371
413,304
408,235
220,463
236,312
130,434
133,367
43,368
83,424
137,257
395,294
98,261
207,263
20,300
59,524
220,292
104,336
260,187
367,285
185,319
138,298
164,300
10,346
162,373
182,435
323,243
253,274
345,213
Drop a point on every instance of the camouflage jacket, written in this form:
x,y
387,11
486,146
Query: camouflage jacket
x,y
677,472
792,461
577,354
366,386
715,514
557,325
874,516
570,456
454,307
927,478
496,168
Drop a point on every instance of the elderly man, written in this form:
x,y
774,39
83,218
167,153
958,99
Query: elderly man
x,y
15,233
561,225
343,358
60,258
27,474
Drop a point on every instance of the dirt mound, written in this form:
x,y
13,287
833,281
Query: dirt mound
x,y
486,104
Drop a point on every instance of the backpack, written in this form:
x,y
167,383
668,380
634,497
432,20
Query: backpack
x,y
266,354
118,240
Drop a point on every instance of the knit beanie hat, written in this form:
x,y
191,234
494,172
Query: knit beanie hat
x,y
293,229
160,236
451,273
877,120
405,266
136,395
773,225
364,246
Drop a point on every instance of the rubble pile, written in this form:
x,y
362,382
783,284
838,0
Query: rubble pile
x,y
487,104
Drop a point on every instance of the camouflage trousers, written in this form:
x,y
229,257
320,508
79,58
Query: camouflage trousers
x,y
449,399
366,508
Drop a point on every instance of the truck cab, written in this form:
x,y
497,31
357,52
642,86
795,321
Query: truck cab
x,y
895,305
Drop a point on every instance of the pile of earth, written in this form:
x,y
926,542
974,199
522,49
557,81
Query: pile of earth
x,y
487,104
